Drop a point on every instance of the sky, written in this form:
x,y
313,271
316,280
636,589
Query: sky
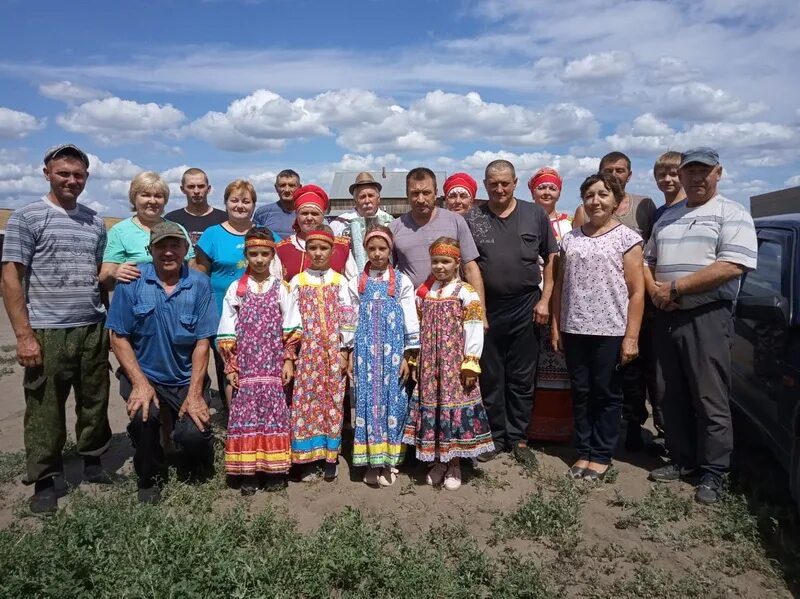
x,y
246,88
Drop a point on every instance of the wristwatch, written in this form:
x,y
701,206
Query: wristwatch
x,y
674,294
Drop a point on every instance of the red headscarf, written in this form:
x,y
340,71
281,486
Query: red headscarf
x,y
461,180
545,174
310,195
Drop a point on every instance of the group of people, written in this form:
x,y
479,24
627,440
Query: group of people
x,y
459,329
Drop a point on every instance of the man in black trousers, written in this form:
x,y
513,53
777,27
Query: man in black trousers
x,y
510,236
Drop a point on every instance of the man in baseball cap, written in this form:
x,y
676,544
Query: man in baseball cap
x,y
161,328
66,150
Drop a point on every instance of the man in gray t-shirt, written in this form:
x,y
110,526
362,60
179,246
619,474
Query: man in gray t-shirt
x,y
422,225
52,252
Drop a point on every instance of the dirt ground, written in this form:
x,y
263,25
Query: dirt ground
x,y
496,490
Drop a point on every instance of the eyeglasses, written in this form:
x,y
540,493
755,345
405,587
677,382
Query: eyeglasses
x,y
546,187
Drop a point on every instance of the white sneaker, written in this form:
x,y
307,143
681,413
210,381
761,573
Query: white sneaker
x,y
388,477
436,474
452,479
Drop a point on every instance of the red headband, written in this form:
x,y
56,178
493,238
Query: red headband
x,y
461,180
445,249
545,175
252,243
383,235
319,235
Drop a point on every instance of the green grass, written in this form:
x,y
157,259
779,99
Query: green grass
x,y
654,511
12,465
108,546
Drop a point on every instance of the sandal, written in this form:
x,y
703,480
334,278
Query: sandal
x,y
388,477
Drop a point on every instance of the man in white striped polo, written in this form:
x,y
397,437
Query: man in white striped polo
x,y
695,258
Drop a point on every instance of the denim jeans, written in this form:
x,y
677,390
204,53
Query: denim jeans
x,y
596,380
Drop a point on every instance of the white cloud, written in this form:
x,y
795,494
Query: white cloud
x,y
647,124
16,125
71,93
113,120
119,168
568,166
792,181
668,70
699,102
599,67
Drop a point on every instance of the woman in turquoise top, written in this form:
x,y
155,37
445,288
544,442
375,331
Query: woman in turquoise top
x,y
128,239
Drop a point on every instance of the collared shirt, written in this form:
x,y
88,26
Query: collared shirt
x,y
276,218
686,239
61,251
164,329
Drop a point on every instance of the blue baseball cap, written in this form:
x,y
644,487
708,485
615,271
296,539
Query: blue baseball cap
x,y
707,156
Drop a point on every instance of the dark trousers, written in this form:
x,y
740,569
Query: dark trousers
x,y
508,367
639,380
693,357
76,359
596,381
148,459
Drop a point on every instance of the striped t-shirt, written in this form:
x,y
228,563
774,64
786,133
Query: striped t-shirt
x,y
61,250
687,239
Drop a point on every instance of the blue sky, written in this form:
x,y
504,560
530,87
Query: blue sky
x,y
246,88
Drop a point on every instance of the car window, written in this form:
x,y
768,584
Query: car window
x,y
766,279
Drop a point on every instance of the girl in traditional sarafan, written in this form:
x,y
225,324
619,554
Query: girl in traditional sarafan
x,y
386,338
447,421
322,303
257,339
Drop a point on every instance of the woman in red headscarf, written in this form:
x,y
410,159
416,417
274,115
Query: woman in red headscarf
x,y
552,406
459,193
311,204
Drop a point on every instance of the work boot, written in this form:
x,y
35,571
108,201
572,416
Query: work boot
x,y
44,500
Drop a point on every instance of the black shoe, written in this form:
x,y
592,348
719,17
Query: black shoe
x,y
670,473
249,485
44,500
525,456
633,438
275,482
709,490
487,457
330,471
149,495
93,471
593,476
575,473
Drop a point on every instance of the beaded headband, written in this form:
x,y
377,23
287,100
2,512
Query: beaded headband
x,y
255,242
445,249
382,234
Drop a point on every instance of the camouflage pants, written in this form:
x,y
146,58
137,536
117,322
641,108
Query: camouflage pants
x,y
74,358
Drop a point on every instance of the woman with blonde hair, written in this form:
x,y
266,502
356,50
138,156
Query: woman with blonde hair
x,y
129,239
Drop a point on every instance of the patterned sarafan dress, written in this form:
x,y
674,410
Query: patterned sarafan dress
x,y
322,302
255,334
387,325
445,421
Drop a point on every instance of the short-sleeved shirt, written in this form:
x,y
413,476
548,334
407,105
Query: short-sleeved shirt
x,y
225,252
594,295
510,248
61,251
195,225
128,243
687,239
640,216
276,218
164,329
411,242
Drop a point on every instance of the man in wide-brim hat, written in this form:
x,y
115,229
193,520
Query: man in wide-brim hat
x,y
366,192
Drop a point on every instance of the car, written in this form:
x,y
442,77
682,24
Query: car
x,y
766,344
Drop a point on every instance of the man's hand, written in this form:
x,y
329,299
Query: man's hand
x,y
468,380
629,350
233,379
405,370
197,409
140,397
485,323
541,312
660,297
29,352
343,362
288,372
127,273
